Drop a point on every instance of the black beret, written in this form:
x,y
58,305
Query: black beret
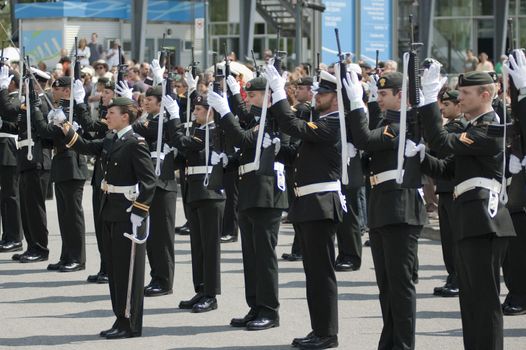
x,y
120,101
256,84
64,81
201,100
155,91
451,95
475,79
390,81
304,81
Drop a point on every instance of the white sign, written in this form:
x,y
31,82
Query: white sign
x,y
199,28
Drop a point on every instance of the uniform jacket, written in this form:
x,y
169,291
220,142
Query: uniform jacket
x,y
125,162
475,154
8,144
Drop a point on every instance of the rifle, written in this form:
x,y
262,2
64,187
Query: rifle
x,y
22,55
170,77
278,54
30,104
193,70
72,74
376,67
409,174
226,71
2,58
163,54
341,73
315,79
160,121
122,69
256,67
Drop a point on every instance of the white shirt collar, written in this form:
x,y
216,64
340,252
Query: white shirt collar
x,y
123,131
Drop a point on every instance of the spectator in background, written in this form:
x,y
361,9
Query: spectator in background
x,y
57,72
484,65
66,64
95,48
267,55
390,66
145,71
101,70
42,66
83,52
471,61
112,57
498,66
134,80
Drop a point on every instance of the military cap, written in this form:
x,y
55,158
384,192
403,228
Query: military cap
x,y
304,81
390,81
475,79
451,95
327,83
256,84
120,101
40,75
107,83
155,91
64,81
201,100
353,67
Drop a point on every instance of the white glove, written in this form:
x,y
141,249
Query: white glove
x,y
136,221
1,122
267,141
233,85
56,116
515,165
411,149
373,87
276,83
157,71
354,90
122,88
75,126
218,102
5,78
524,161
78,91
224,159
518,69
277,145
432,83
215,158
351,150
171,106
191,82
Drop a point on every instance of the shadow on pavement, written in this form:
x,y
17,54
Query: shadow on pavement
x,y
48,339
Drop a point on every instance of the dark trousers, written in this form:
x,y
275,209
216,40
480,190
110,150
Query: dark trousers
x,y
478,269
317,244
33,187
230,220
514,265
348,232
71,220
10,204
206,222
182,183
160,245
394,250
289,181
96,197
259,235
446,222
117,249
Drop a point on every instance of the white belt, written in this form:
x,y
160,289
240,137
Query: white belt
x,y
25,143
126,190
187,124
320,187
154,155
5,134
383,177
249,167
470,184
198,170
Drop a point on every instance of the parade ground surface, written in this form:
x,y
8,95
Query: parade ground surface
x,y
41,309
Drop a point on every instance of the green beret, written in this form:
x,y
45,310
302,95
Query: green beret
x,y
390,81
256,84
475,79
155,91
304,81
451,95
64,81
120,101
107,83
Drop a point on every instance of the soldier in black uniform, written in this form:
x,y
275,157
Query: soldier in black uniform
x,y
206,209
514,265
317,206
396,214
160,246
483,224
9,195
261,203
68,172
33,173
129,185
456,123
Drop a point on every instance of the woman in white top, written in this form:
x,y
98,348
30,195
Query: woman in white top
x,y
83,52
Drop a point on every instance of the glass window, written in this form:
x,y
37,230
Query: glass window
x,y
259,28
512,7
451,39
522,7
218,10
522,32
483,7
453,8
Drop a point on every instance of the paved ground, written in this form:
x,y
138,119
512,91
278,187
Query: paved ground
x,y
50,310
